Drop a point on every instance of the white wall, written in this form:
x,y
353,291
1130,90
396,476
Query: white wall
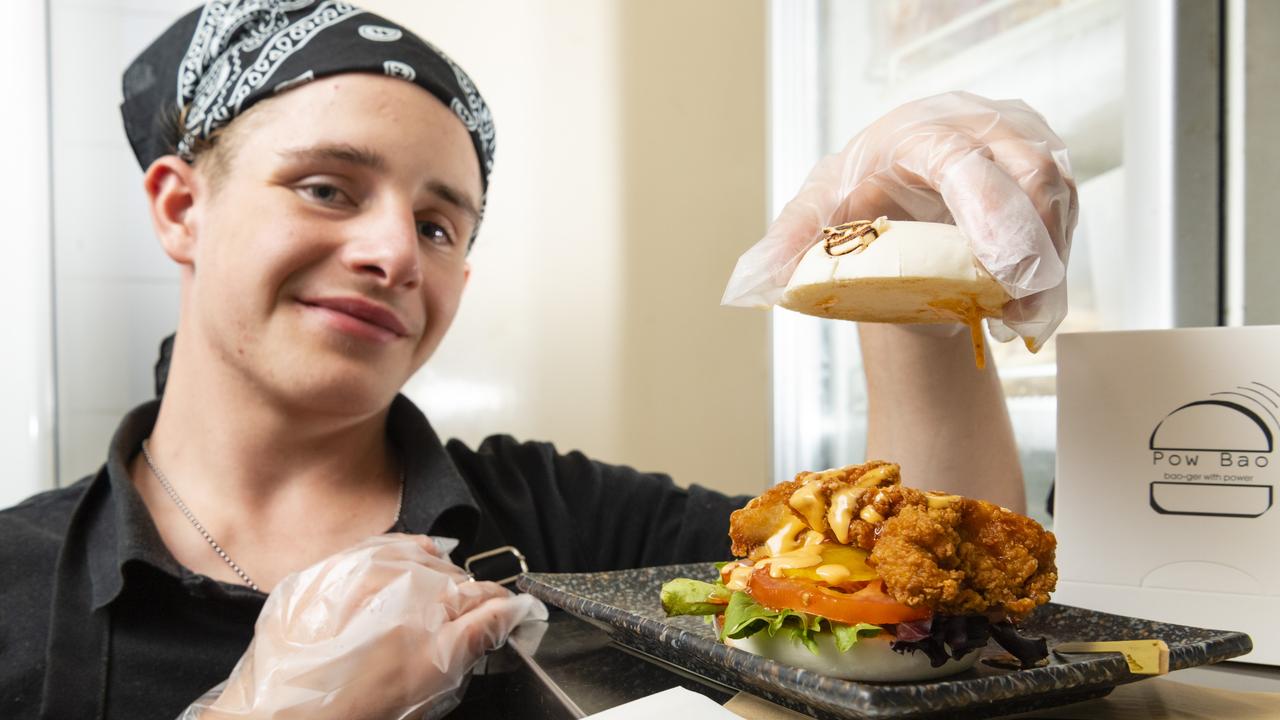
x,y
630,175
535,351
116,293
26,375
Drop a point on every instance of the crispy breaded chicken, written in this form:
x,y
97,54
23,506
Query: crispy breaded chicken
x,y
951,554
755,523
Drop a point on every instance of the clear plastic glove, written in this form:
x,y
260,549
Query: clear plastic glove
x,y
386,629
991,167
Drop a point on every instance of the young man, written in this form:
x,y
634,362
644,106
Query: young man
x,y
318,174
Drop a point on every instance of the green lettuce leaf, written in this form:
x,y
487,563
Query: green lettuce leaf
x,y
744,617
848,635
684,596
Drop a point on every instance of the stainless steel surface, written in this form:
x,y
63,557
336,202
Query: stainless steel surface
x,y
1195,60
524,644
1252,145
565,669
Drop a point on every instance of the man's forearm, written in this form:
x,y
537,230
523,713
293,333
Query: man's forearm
x,y
930,410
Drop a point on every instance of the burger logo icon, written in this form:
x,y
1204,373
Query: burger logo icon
x,y
1215,454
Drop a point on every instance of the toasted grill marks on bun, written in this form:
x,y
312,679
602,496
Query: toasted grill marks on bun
x,y
897,272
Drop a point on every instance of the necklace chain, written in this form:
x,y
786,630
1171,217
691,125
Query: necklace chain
x,y
173,495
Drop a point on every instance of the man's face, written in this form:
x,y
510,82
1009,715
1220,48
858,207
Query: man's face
x,y
330,252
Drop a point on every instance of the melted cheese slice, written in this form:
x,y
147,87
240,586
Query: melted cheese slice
x,y
822,561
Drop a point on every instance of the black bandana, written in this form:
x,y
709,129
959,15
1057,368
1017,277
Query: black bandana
x,y
225,56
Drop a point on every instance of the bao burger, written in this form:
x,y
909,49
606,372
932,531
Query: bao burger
x,y
849,573
896,272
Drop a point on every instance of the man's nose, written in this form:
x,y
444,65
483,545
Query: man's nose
x,y
386,247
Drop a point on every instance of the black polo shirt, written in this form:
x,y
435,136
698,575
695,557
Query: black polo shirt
x,y
98,620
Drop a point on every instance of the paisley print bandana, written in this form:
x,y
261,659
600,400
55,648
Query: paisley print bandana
x,y
226,55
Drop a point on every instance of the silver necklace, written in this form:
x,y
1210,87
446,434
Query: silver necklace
x,y
173,495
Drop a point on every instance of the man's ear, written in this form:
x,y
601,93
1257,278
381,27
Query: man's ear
x,y
171,186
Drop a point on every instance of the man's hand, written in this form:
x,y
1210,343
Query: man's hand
x,y
385,629
993,167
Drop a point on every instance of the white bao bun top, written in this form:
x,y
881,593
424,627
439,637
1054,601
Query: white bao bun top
x,y
869,660
914,272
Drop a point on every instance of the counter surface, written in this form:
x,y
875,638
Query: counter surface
x,y
576,671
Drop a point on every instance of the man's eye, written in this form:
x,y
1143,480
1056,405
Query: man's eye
x,y
326,194
434,232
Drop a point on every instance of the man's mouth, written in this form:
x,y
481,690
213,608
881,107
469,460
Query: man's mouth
x,y
360,317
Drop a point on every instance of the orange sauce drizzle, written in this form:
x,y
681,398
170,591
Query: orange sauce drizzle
x,y
970,314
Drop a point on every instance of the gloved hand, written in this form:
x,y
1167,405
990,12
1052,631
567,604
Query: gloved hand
x,y
386,629
991,167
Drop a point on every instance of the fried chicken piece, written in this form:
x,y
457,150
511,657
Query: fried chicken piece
x,y
755,523
970,557
951,554
760,518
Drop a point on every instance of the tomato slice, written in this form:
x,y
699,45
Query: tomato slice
x,y
868,605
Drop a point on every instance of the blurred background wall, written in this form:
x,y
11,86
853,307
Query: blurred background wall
x,y
630,174
26,366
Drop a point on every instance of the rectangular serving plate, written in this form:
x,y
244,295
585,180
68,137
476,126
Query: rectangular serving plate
x,y
625,603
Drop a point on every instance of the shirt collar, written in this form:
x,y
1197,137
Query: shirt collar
x,y
125,532
436,498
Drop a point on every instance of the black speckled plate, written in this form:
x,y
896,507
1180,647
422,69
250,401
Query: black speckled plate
x,y
625,603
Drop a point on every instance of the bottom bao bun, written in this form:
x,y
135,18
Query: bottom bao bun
x,y
850,574
871,659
